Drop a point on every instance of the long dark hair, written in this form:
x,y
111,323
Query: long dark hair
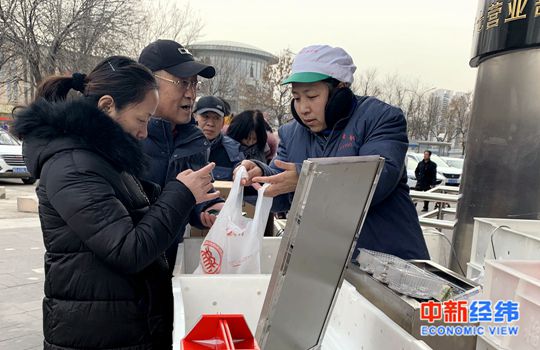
x,y
244,123
120,77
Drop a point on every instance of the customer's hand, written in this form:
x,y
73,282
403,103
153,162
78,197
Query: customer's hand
x,y
253,170
208,219
199,183
281,183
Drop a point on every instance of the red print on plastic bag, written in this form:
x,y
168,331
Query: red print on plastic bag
x,y
211,257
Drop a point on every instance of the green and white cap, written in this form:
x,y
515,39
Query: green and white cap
x,y
318,62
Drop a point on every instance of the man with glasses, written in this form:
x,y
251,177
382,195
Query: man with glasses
x,y
224,151
174,142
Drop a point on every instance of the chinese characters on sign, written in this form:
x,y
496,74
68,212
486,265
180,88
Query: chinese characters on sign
x,y
494,13
480,23
514,10
505,25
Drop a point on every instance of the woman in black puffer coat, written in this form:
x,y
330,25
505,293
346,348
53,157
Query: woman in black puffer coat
x,y
107,284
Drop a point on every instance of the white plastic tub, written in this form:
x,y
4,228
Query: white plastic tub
x,y
355,322
475,272
510,239
438,246
195,295
519,281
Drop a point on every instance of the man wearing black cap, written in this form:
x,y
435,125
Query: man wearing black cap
x,y
224,151
174,142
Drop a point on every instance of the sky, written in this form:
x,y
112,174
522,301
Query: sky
x,y
425,40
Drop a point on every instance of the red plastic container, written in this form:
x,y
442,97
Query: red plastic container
x,y
220,332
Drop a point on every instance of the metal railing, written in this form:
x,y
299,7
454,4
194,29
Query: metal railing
x,y
444,197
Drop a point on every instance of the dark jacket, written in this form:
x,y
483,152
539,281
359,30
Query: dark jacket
x,y
171,151
426,175
372,128
253,152
107,284
225,152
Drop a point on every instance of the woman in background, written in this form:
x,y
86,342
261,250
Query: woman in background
x,y
249,129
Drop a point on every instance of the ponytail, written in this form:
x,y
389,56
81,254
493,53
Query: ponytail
x,y
56,88
120,77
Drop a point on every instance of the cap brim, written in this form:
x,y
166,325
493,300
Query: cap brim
x,y
191,68
215,110
305,77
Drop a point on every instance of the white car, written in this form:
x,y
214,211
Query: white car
x,y
451,175
11,160
454,162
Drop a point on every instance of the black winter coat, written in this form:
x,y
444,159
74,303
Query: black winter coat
x,y
171,152
107,284
426,175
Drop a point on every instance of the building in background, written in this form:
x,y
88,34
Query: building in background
x,y
452,113
237,65
444,98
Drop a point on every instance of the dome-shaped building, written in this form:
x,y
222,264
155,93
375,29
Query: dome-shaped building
x,y
237,65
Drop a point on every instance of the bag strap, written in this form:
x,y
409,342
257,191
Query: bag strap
x,y
262,210
236,195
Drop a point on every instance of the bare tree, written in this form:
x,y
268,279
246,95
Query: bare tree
x,y
432,116
5,51
460,111
225,82
412,98
163,19
268,94
394,90
367,84
256,95
54,36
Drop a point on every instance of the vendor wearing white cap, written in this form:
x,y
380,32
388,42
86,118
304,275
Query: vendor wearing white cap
x,y
330,121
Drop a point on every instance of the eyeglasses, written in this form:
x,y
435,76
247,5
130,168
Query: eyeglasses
x,y
183,83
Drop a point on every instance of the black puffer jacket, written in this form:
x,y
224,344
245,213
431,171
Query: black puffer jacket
x,y
107,285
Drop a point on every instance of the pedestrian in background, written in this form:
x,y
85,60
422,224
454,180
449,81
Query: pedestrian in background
x,y
426,176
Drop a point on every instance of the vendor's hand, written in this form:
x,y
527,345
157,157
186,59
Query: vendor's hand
x,y
208,219
253,170
199,183
281,183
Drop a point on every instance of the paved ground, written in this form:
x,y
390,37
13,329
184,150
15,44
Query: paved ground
x,y
21,272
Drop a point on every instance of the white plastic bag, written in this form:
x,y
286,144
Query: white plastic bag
x,y
234,242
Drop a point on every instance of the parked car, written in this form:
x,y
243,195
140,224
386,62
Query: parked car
x,y
454,162
11,160
411,177
452,176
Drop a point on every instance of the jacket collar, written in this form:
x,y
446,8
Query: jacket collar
x,y
48,128
161,131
